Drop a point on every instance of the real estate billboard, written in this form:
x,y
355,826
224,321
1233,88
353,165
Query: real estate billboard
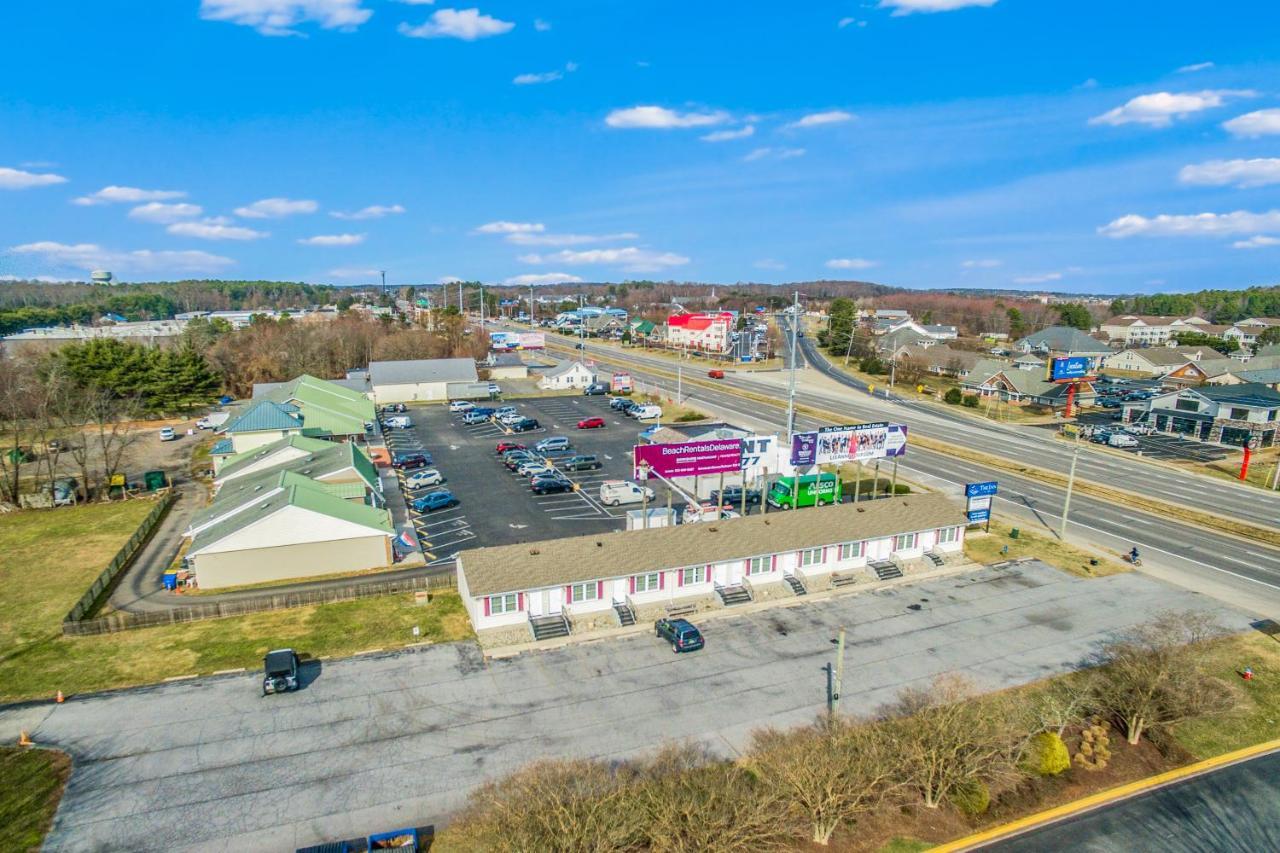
x,y
531,340
1069,367
849,443
689,459
620,382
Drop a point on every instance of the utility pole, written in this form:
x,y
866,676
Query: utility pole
x,y
791,389
833,696
462,306
1071,482
482,305
679,384
533,318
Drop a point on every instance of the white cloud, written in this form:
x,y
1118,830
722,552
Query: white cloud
x,y
773,153
848,22
333,240
1159,109
726,135
630,258
820,119
533,79
1198,66
541,25
1193,225
373,211
17,179
449,279
1258,172
90,256
274,208
504,227
1040,278
215,229
981,264
525,238
1256,242
162,213
907,7
769,264
661,118
354,272
465,24
127,195
850,264
43,279
1254,124
279,17
544,278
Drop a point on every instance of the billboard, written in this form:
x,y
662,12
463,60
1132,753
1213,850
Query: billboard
x,y
1070,367
978,503
759,454
849,443
531,340
621,382
689,459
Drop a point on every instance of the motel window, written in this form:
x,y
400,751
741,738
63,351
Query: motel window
x,y
811,557
647,583
693,574
849,550
584,592
948,534
759,565
904,541
502,604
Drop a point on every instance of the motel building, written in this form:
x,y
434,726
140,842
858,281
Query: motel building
x,y
543,590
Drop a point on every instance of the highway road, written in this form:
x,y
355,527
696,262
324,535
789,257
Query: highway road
x,y
1239,571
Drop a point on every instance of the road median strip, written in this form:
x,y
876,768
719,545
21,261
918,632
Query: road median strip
x,y
1270,536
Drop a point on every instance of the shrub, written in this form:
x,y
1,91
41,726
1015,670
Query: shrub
x,y
872,365
973,797
1095,745
952,396
970,401
1047,755
691,416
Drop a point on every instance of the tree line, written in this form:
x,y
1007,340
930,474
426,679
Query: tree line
x,y
1216,306
942,746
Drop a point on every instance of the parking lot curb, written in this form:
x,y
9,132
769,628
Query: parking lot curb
x,y
1104,798
510,651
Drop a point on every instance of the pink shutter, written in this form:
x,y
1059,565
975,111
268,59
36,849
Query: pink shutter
x,y
568,595
487,605
520,601
773,563
662,580
707,577
679,577
824,553
633,584
600,590
746,567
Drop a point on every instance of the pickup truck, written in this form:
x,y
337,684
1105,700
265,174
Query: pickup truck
x,y
681,633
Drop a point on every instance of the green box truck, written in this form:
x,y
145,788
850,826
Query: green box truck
x,y
791,492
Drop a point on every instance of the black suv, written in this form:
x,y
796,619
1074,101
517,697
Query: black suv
x,y
525,425
680,633
618,403
733,497
581,463
411,460
279,671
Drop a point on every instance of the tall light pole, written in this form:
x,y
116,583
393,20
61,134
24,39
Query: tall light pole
x,y
791,389
482,305
1071,482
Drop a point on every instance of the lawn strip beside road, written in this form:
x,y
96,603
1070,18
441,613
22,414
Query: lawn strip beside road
x,y
1182,512
986,548
31,787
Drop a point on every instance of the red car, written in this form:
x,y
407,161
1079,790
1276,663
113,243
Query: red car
x,y
504,446
716,374
591,423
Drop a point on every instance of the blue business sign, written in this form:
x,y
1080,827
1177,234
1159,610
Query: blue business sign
x,y
977,515
1072,367
980,490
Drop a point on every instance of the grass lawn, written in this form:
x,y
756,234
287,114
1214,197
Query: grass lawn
x,y
57,553
34,779
985,548
1258,716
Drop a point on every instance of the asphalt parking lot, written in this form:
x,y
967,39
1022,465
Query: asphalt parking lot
x,y
496,506
378,742
1166,446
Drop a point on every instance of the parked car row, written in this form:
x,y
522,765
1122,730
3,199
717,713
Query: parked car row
x,y
415,462
533,464
632,409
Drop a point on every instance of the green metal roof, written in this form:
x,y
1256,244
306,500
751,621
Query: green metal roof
x,y
325,405
304,497
266,415
300,442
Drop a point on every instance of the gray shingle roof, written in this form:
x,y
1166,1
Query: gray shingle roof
x,y
533,565
1064,339
422,370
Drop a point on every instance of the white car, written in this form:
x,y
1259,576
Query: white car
x,y
532,468
1139,429
1122,439
167,434
494,388
423,477
456,406
510,418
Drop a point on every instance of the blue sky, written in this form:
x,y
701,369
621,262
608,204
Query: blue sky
x,y
1035,144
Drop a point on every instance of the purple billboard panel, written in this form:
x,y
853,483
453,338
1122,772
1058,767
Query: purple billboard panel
x,y
689,459
851,443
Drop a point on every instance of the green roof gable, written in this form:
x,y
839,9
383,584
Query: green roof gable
x,y
299,442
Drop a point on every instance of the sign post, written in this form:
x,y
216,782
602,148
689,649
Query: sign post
x,y
979,497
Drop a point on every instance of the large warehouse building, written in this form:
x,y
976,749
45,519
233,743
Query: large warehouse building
x,y
420,379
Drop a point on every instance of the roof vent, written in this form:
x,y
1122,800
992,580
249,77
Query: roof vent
x,y
713,529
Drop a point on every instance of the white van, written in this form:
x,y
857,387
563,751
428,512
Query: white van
x,y
1122,439
645,413
399,422
615,492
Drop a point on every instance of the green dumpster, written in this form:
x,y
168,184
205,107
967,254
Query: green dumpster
x,y
1015,533
154,480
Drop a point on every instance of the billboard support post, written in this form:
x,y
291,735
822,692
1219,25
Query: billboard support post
x,y
893,492
876,487
720,497
857,482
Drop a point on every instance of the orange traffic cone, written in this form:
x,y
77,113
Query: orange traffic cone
x,y
23,738
59,698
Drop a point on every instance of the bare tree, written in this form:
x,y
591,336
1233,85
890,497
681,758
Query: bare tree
x,y
112,430
1062,704
948,739
828,773
19,387
1156,675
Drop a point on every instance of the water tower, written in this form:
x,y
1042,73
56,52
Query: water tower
x,y
100,277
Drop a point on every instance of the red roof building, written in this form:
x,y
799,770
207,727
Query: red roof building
x,y
708,332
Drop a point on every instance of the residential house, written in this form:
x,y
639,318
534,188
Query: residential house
x,y
1222,414
1146,361
1062,341
1029,361
1146,330
416,380
890,343
567,375
940,333
940,360
596,581
1246,331
603,325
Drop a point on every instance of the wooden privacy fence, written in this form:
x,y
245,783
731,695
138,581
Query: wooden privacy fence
x,y
118,563
125,621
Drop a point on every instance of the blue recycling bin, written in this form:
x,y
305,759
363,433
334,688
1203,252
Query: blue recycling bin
x,y
171,581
